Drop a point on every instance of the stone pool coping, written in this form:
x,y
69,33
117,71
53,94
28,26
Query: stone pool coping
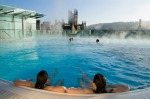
x,y
9,91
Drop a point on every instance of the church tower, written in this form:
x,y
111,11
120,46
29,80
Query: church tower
x,y
140,24
75,17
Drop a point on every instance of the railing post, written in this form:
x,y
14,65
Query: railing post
x,y
22,27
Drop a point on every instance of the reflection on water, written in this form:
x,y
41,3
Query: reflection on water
x,y
121,61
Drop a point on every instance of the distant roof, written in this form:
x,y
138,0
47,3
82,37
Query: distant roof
x,y
19,12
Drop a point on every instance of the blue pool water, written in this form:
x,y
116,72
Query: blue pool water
x,y
121,61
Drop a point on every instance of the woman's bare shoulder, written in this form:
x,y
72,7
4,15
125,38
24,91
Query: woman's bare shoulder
x,y
118,88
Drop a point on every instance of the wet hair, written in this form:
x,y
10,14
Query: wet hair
x,y
71,39
97,40
100,83
41,79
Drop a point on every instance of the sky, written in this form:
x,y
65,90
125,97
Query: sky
x,y
91,11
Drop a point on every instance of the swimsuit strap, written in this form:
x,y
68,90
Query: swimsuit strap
x,y
42,87
111,90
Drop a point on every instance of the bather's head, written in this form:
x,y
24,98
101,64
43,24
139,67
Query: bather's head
x,y
97,40
99,83
41,79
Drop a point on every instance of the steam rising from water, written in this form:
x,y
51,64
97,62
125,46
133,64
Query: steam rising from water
x,y
130,41
139,37
127,38
117,58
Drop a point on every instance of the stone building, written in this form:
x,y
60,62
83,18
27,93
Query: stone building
x,y
72,24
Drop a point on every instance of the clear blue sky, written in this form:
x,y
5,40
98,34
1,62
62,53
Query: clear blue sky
x,y
91,11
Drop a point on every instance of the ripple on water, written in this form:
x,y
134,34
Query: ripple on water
x,y
121,64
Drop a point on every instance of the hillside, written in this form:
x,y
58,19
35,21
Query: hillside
x,y
145,25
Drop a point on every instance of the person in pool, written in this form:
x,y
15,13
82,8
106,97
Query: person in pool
x,y
41,83
97,40
99,86
71,39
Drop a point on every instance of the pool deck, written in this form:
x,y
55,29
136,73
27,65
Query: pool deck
x,y
9,91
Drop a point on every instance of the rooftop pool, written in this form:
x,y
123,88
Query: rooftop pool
x,y
120,61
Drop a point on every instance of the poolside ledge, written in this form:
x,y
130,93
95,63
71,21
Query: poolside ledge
x,y
9,91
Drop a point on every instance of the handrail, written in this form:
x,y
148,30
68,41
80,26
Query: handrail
x,y
6,33
1,38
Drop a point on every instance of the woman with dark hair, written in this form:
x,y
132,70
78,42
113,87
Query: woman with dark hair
x,y
41,79
41,83
99,86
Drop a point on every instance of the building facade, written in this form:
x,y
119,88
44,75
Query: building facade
x,y
73,22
